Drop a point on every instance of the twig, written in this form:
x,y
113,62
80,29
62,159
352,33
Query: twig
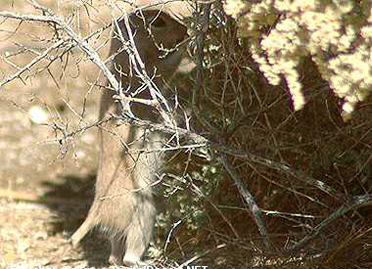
x,y
140,70
45,10
355,203
248,198
194,137
275,213
201,194
297,215
32,63
281,167
202,25
128,99
199,139
23,17
196,257
81,42
169,236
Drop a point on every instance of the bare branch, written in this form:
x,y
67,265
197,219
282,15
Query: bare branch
x,y
140,69
354,204
82,43
32,63
282,168
200,140
248,198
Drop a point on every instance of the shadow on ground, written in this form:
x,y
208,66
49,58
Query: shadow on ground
x,y
73,196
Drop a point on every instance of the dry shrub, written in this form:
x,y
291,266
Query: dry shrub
x,y
285,158
303,152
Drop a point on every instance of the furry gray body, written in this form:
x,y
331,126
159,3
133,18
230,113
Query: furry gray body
x,y
123,206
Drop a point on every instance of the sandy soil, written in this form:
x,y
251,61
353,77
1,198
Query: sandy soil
x,y
46,183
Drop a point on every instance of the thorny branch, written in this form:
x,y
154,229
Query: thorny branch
x,y
355,203
32,63
202,141
248,198
140,70
80,42
170,127
202,27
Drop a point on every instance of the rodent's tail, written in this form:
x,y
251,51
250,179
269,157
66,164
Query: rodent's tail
x,y
87,225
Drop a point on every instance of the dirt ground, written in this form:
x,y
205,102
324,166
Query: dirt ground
x,y
45,184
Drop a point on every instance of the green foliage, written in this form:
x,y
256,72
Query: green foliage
x,y
188,196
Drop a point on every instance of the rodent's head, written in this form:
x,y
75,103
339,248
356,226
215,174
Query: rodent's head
x,y
160,41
